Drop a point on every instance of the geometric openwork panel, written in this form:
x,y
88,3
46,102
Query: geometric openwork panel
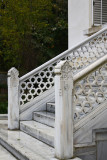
x,y
80,57
36,85
89,92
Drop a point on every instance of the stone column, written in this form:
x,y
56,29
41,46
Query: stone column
x,y
13,99
63,111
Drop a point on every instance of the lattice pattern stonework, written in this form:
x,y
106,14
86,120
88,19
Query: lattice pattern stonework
x,y
80,57
89,92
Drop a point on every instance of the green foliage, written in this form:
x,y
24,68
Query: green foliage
x,y
31,32
3,86
3,104
3,107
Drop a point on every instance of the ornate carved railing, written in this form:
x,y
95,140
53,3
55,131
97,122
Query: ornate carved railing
x,y
41,79
90,88
75,97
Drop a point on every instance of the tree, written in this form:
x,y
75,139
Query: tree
x,y
31,32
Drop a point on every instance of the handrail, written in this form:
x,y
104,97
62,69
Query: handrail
x,y
62,55
90,88
90,68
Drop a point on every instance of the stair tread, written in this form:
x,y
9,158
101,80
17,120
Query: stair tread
x,y
25,145
5,155
50,107
46,114
39,131
3,116
51,103
39,126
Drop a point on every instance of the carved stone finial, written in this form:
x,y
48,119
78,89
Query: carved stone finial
x,y
13,74
63,66
64,69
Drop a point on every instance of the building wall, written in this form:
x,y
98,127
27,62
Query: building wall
x,y
79,19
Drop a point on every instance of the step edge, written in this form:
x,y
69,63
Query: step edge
x,y
43,114
15,152
37,129
51,137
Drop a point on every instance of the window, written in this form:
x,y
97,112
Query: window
x,y
100,12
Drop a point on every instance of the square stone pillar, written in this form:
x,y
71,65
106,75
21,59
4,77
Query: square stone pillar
x,y
63,111
13,99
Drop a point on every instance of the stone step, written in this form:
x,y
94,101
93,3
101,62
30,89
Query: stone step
x,y
50,107
24,146
5,155
46,134
44,117
39,131
3,116
86,151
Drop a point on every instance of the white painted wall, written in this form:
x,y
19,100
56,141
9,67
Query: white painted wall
x,y
79,19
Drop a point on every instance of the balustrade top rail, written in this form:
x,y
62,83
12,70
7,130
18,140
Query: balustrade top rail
x,y
90,88
90,68
41,79
60,56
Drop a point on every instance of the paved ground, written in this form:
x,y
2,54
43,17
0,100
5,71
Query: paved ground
x,y
5,155
28,147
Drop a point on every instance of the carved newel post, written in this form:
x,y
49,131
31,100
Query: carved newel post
x,y
63,111
13,99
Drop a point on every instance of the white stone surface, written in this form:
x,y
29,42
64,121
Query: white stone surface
x,y
44,117
63,111
40,131
79,19
3,116
37,104
5,155
13,99
75,158
95,120
68,159
26,146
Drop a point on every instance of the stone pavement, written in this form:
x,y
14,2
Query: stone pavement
x,y
5,155
24,146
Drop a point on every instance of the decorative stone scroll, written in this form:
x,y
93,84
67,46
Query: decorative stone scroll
x,y
13,99
63,111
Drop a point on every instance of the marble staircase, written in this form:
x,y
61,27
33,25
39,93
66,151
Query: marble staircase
x,y
46,117
25,147
85,131
63,103
42,125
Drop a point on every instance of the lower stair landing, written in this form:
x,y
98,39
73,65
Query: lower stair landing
x,y
23,146
26,147
5,155
46,134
